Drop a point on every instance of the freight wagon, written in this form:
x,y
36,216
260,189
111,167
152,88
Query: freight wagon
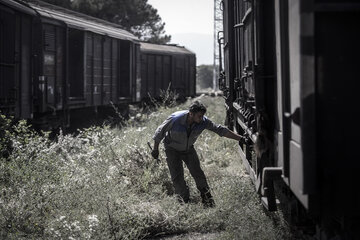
x,y
290,82
59,67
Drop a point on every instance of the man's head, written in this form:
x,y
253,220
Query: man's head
x,y
196,112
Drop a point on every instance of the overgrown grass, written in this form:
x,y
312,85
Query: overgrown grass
x,y
103,184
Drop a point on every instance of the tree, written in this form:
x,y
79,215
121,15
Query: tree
x,y
60,3
135,16
138,17
204,77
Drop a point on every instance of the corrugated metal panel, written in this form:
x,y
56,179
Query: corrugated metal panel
x,y
192,76
25,79
89,71
8,63
106,86
167,71
114,71
151,75
81,21
97,68
162,48
125,64
158,75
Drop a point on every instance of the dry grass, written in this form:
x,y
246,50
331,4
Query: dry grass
x,y
103,184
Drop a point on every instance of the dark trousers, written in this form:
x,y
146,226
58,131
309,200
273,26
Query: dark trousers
x,y
175,160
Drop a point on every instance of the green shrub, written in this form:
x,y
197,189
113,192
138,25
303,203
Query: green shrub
x,y
103,184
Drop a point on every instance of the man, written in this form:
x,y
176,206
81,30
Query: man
x,y
180,130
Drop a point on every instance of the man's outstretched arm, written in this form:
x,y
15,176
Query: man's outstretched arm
x,y
223,131
230,134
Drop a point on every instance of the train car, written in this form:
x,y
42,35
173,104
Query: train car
x,y
290,85
60,66
167,67
17,52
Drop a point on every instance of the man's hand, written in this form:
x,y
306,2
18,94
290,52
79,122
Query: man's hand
x,y
155,153
232,135
245,139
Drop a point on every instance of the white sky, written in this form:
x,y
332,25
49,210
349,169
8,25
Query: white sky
x,y
183,17
186,16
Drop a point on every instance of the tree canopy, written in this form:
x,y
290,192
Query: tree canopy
x,y
204,77
136,16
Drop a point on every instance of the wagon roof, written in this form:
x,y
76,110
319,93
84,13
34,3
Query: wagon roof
x,y
163,48
81,21
18,6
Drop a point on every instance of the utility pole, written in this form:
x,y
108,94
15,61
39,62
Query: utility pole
x,y
218,22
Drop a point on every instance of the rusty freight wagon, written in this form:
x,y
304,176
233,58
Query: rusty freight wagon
x,y
167,66
290,82
60,66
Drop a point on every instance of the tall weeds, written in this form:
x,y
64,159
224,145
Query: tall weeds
x,y
103,184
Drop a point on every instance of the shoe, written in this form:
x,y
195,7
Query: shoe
x,y
207,199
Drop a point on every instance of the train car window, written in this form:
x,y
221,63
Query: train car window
x,y
76,63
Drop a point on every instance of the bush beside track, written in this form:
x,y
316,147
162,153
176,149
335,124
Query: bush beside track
x,y
103,184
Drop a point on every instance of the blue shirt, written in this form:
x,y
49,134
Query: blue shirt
x,y
175,131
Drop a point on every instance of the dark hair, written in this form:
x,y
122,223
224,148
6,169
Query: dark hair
x,y
197,107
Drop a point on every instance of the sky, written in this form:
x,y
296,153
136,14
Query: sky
x,y
190,23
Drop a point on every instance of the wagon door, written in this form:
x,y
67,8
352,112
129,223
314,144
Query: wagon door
x,y
192,76
166,72
295,155
15,63
288,73
114,70
7,61
179,73
158,75
295,78
283,85
97,69
337,111
125,61
53,68
76,66
151,75
106,72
